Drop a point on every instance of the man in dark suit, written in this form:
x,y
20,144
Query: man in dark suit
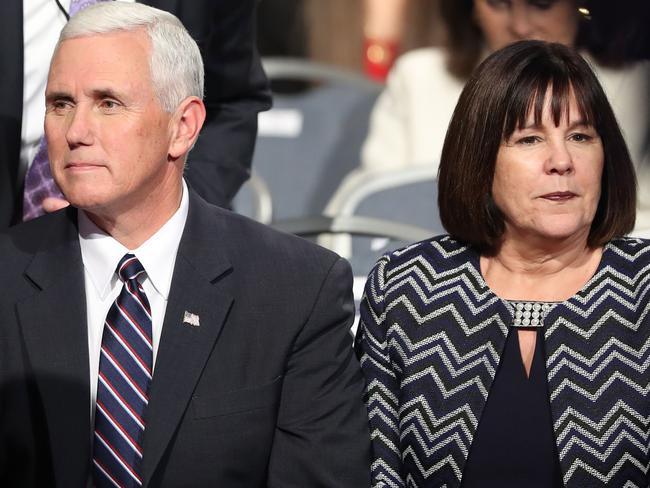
x,y
236,90
217,352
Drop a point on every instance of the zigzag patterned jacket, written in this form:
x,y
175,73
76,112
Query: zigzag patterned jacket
x,y
430,340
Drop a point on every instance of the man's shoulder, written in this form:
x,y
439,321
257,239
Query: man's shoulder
x,y
246,239
260,258
267,239
31,235
21,243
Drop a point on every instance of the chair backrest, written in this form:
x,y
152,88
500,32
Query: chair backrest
x,y
310,139
408,196
413,202
254,199
360,230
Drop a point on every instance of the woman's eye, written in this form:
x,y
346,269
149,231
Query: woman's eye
x,y
541,4
498,3
528,140
580,137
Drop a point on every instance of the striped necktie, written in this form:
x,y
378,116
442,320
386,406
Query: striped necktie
x,y
39,183
125,372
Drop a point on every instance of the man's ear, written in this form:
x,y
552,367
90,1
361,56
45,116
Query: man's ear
x,y
186,124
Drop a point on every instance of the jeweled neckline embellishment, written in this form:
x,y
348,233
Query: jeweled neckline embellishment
x,y
530,314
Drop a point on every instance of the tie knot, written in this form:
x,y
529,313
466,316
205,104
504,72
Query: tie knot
x,y
129,268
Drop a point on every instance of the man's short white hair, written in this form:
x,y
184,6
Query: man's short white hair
x,y
176,65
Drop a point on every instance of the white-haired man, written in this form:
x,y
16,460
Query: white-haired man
x,y
236,90
148,338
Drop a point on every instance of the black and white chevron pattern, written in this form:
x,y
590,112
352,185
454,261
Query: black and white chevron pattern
x,y
430,341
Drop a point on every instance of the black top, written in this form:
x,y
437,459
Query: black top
x,y
514,444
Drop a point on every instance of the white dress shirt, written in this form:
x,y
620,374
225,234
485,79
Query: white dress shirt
x,y
101,254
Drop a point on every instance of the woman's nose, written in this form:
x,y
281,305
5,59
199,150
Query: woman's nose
x,y
559,159
520,22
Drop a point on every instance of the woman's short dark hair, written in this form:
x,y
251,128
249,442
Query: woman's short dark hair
x,y
496,101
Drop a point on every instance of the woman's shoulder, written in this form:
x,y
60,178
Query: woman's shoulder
x,y
636,246
445,252
628,88
425,63
631,249
423,56
626,84
442,252
637,69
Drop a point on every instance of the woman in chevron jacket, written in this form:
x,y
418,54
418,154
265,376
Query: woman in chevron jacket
x,y
515,352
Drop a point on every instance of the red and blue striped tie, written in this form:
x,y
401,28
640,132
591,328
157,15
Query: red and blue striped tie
x,y
125,372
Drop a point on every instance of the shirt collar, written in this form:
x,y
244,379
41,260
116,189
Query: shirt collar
x,y
101,253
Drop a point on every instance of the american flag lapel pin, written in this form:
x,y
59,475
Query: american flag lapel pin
x,y
190,318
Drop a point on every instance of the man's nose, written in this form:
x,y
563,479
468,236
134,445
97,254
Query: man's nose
x,y
79,129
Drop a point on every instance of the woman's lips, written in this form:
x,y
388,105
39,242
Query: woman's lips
x,y
559,196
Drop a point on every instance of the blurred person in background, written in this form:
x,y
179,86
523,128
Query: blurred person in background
x,y
514,351
411,116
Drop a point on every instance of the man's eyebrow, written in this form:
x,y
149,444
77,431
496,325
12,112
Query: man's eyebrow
x,y
99,93
57,95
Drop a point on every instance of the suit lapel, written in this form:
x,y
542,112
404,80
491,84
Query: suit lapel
x,y
53,321
199,288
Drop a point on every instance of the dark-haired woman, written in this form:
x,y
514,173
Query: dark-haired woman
x,y
515,351
410,118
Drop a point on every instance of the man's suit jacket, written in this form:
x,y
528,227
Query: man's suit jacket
x,y
236,90
264,392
